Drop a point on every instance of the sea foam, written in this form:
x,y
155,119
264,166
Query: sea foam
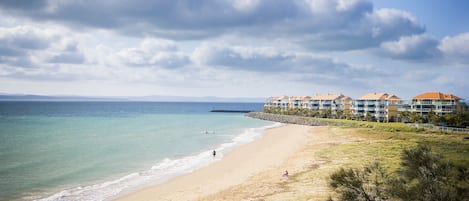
x,y
159,173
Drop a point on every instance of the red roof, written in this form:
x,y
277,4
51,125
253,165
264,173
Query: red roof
x,y
437,95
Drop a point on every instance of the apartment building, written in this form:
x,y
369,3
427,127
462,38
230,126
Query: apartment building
x,y
299,102
332,102
437,102
282,102
382,106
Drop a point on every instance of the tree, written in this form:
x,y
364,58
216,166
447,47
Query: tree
x,y
415,118
370,117
326,113
424,176
457,120
432,117
339,114
404,116
304,112
315,113
277,110
348,114
368,184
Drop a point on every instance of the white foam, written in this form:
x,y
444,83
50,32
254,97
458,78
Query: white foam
x,y
162,171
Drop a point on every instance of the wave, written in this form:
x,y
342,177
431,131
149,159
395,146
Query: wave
x,y
159,173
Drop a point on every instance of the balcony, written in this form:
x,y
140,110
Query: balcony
x,y
422,110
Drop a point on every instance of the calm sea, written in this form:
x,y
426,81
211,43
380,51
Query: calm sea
x,y
97,150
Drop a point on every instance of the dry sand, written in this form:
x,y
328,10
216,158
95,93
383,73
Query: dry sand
x,y
254,171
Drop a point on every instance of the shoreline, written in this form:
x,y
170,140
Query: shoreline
x,y
267,157
129,183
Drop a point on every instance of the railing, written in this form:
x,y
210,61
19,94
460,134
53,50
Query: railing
x,y
422,110
439,128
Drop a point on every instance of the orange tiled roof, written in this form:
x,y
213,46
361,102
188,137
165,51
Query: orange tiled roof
x,y
299,97
378,96
306,98
346,98
326,96
436,95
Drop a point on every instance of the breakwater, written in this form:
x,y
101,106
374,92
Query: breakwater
x,y
231,111
288,119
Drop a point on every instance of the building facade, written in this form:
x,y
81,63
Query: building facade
x,y
318,102
332,102
382,106
436,102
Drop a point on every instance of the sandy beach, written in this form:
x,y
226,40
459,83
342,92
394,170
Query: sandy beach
x,y
254,171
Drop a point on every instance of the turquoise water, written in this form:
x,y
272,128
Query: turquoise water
x,y
95,150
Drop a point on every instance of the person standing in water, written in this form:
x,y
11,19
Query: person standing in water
x,y
214,153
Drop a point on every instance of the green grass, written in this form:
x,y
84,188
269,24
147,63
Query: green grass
x,y
383,143
391,126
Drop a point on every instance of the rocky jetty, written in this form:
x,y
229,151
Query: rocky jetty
x,y
288,119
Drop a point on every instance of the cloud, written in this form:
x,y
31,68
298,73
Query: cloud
x,y
456,47
68,57
154,52
28,46
24,5
17,44
416,47
317,24
269,60
242,58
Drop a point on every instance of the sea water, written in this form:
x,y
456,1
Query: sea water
x,y
98,150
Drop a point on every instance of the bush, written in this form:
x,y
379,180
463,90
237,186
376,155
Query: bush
x,y
423,176
426,176
368,184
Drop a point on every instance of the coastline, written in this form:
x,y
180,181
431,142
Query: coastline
x,y
163,171
260,163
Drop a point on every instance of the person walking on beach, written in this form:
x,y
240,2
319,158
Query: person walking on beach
x,y
285,174
214,153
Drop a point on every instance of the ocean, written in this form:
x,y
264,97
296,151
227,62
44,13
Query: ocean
x,y
98,150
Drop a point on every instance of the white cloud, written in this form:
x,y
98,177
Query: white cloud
x,y
416,47
241,57
318,24
154,52
29,46
223,47
456,47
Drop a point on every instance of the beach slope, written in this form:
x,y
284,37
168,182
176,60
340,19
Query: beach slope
x,y
259,163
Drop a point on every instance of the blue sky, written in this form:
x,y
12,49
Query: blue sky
x,y
441,18
234,48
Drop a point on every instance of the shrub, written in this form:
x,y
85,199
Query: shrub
x,y
423,176
368,184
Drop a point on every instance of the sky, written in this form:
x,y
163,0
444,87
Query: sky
x,y
234,48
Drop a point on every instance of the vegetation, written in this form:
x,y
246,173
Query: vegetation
x,y
374,141
459,119
367,184
423,175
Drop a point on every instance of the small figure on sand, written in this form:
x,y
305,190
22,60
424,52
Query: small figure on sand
x,y
285,174
214,153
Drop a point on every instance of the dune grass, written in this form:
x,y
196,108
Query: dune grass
x,y
383,142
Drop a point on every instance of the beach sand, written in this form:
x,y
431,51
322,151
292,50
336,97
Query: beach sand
x,y
254,171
